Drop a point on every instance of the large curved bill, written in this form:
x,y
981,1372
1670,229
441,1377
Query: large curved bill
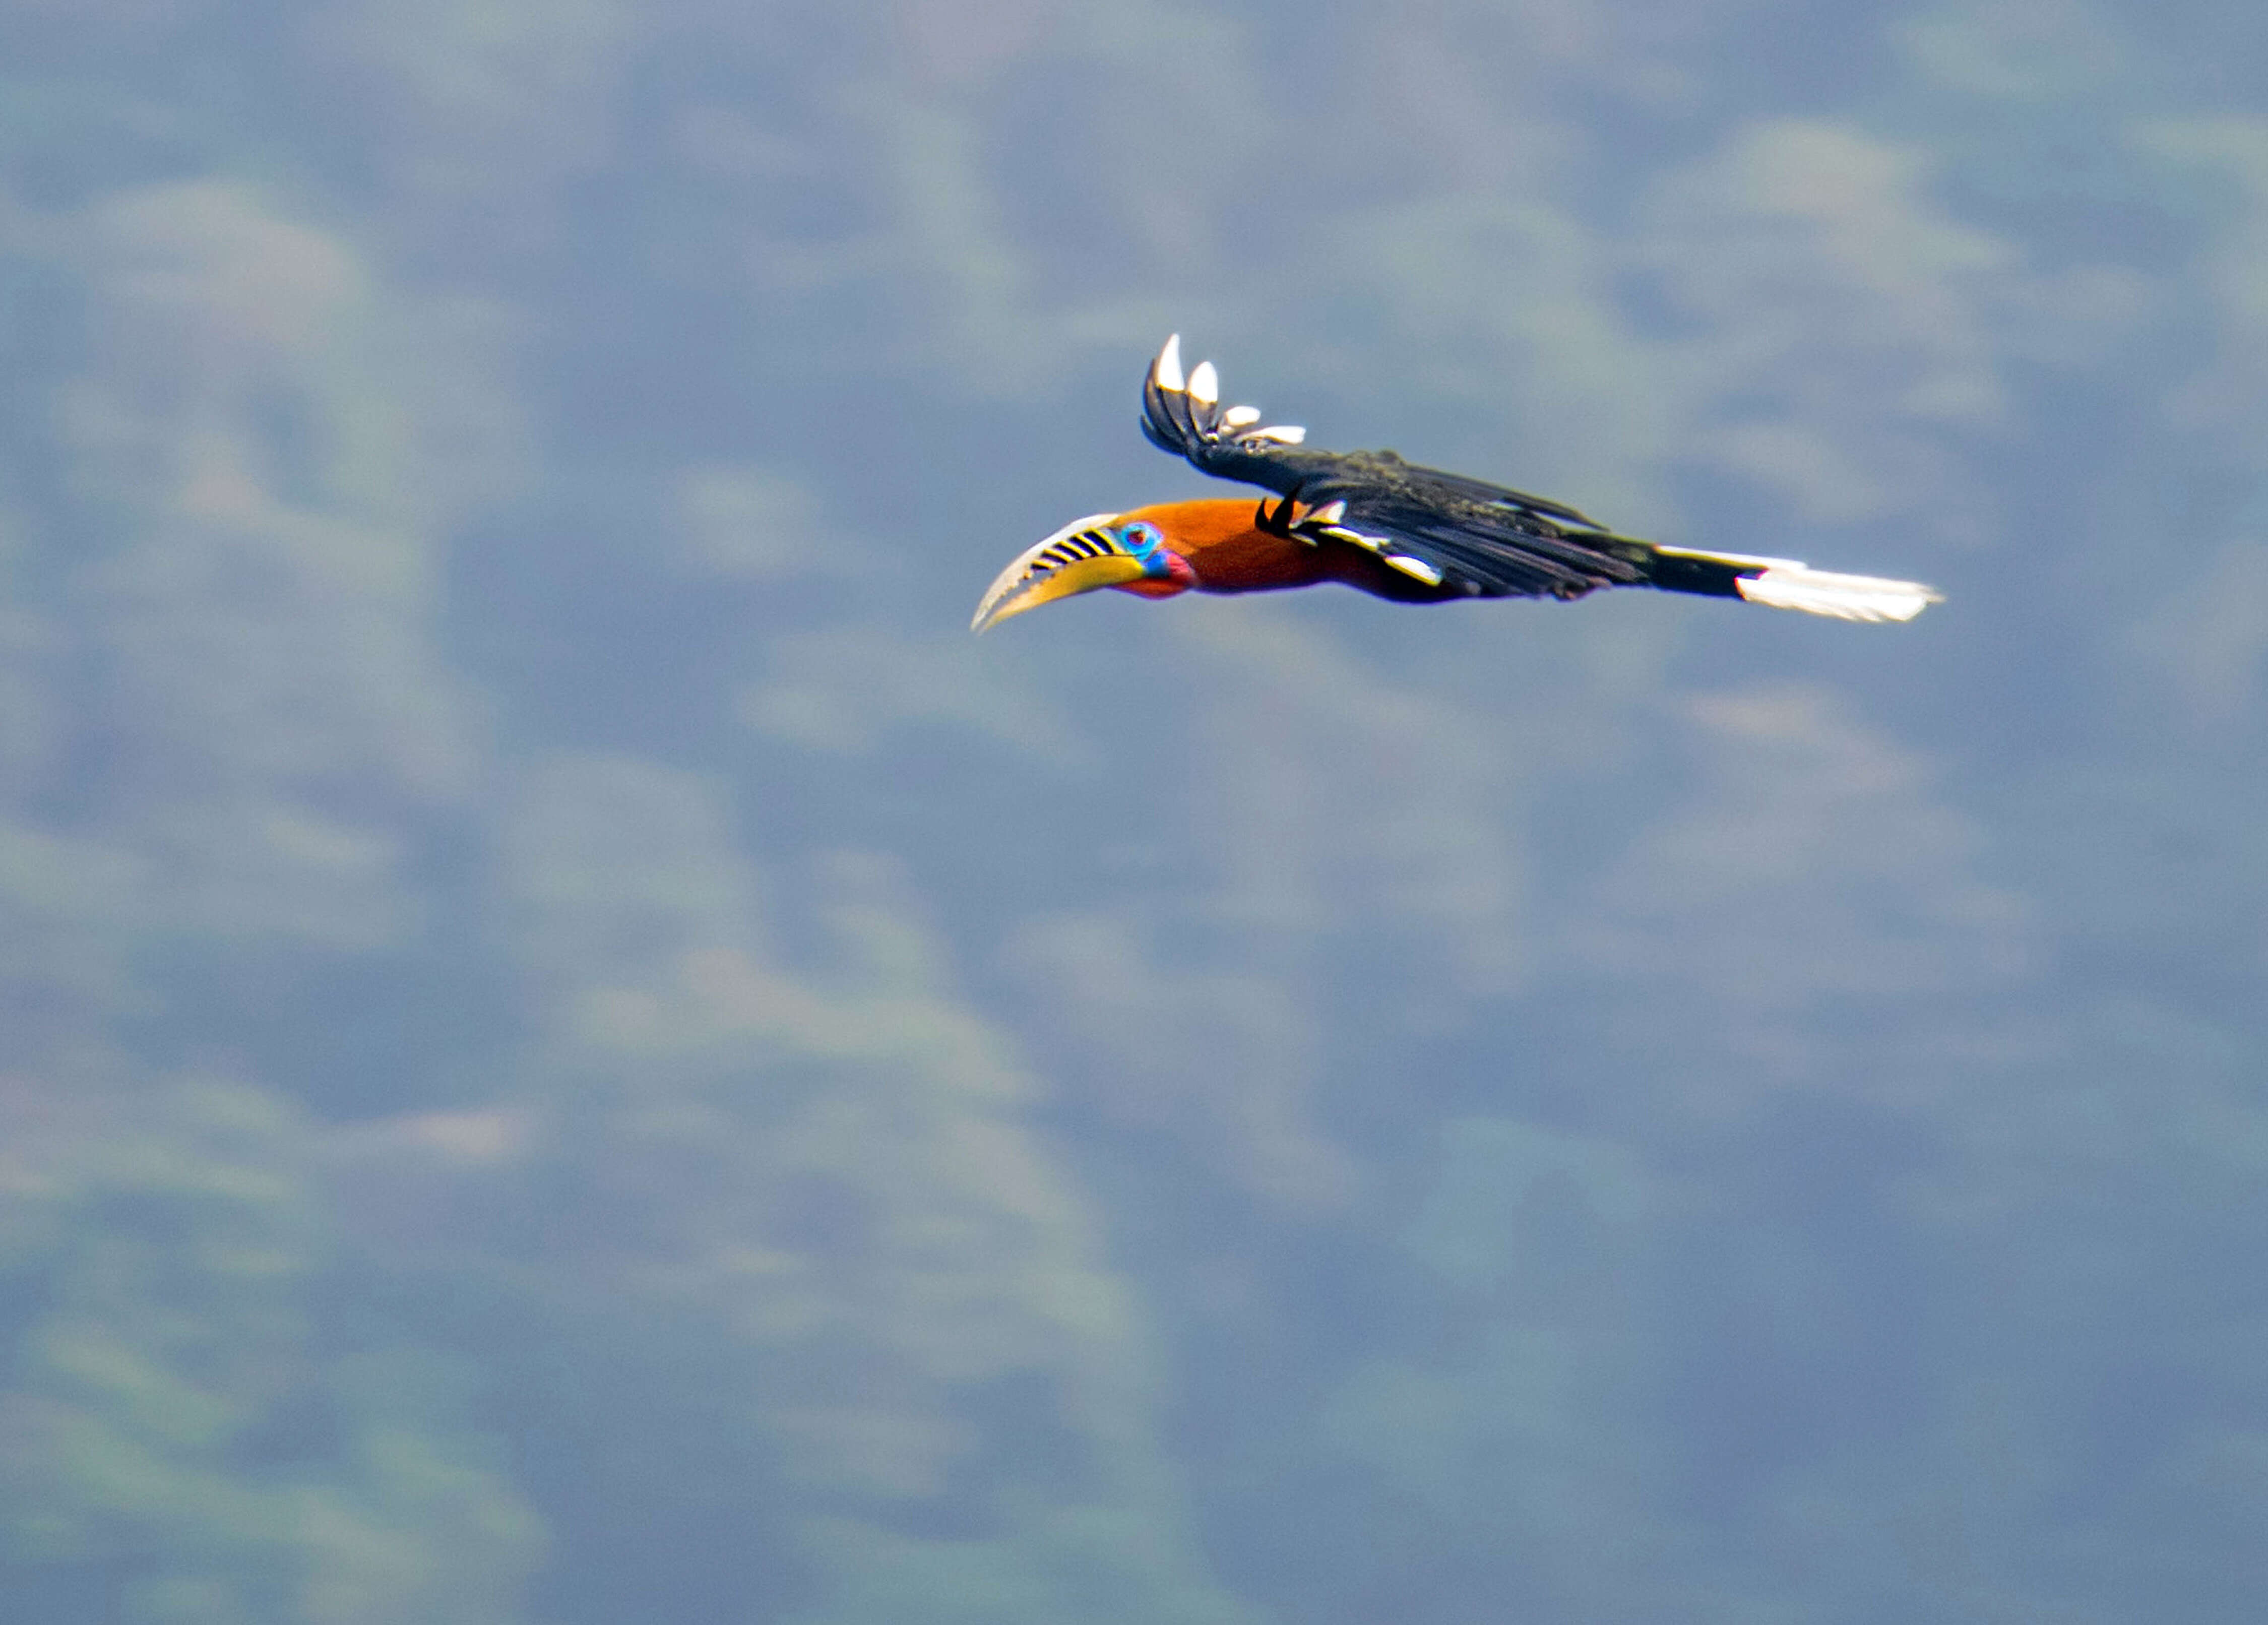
x,y
1078,558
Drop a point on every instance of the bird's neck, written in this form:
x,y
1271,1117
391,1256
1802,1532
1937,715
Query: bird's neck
x,y
1228,551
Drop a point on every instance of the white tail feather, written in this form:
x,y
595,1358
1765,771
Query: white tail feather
x,y
1789,585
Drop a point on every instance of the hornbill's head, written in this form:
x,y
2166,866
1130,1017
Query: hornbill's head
x,y
1122,550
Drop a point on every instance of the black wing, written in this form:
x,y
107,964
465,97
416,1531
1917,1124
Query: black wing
x,y
1463,536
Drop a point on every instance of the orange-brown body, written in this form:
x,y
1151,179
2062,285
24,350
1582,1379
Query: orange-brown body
x,y
1223,543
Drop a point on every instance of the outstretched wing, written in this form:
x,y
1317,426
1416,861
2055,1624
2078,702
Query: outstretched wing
x,y
1459,535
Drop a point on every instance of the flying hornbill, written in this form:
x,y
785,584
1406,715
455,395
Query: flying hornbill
x,y
1367,518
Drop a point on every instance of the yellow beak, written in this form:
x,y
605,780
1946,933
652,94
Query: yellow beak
x,y
1078,558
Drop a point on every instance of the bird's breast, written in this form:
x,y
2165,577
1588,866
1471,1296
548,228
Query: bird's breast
x,y
1256,562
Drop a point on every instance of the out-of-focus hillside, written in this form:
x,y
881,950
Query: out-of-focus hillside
x,y
573,1051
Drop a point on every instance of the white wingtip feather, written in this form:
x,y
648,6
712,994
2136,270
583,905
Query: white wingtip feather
x,y
1289,434
1167,370
1205,383
1846,598
1238,416
1418,568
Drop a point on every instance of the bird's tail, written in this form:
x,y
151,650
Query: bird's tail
x,y
1782,584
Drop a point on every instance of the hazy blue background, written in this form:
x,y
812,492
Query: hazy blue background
x,y
574,1052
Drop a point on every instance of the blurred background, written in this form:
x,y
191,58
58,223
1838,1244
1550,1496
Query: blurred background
x,y
573,1051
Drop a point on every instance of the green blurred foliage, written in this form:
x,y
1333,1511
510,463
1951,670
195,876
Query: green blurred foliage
x,y
571,1052
187,1441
